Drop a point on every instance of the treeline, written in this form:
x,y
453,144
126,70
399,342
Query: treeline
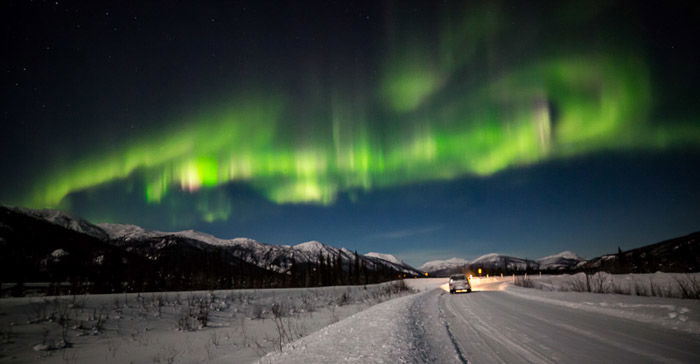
x,y
679,255
176,269
38,257
330,270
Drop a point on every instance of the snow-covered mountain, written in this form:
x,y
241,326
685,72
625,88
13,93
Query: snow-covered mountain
x,y
65,220
278,258
275,258
406,268
560,261
440,265
123,231
494,261
387,257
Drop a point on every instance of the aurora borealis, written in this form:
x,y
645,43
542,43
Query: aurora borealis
x,y
186,119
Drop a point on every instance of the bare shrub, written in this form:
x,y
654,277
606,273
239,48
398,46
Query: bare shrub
x,y
156,304
185,321
195,315
397,287
640,289
524,282
618,289
344,298
77,302
598,283
334,317
689,286
214,338
286,328
116,305
99,316
258,312
578,285
307,303
686,285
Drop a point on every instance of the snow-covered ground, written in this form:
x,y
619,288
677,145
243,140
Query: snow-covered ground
x,y
241,325
498,322
501,323
675,285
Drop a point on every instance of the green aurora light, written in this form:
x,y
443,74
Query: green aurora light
x,y
422,121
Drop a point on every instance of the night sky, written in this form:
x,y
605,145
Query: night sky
x,y
425,129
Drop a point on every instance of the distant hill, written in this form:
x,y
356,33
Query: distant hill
x,y
444,267
680,255
398,263
492,263
499,262
563,261
54,247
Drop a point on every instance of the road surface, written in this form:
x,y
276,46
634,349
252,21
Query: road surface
x,y
495,326
497,323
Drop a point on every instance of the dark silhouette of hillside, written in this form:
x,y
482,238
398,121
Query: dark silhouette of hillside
x,y
56,259
677,255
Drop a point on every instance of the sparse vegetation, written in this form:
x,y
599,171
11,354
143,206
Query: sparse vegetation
x,y
680,286
195,314
524,281
689,286
259,321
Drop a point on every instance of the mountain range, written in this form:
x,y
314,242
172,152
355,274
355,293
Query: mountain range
x,y
55,247
499,263
52,246
681,254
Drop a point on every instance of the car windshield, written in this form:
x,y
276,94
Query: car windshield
x,y
459,277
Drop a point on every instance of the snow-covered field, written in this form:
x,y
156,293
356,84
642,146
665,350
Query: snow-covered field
x,y
219,326
675,285
502,323
497,322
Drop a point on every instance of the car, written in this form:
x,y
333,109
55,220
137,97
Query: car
x,y
459,282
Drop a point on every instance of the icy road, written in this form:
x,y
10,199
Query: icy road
x,y
500,323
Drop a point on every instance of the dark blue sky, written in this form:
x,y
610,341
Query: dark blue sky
x,y
422,129
589,205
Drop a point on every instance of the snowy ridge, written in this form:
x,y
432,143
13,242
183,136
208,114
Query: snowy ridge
x,y
495,261
124,231
435,265
396,262
387,257
560,261
277,258
563,255
311,247
65,220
